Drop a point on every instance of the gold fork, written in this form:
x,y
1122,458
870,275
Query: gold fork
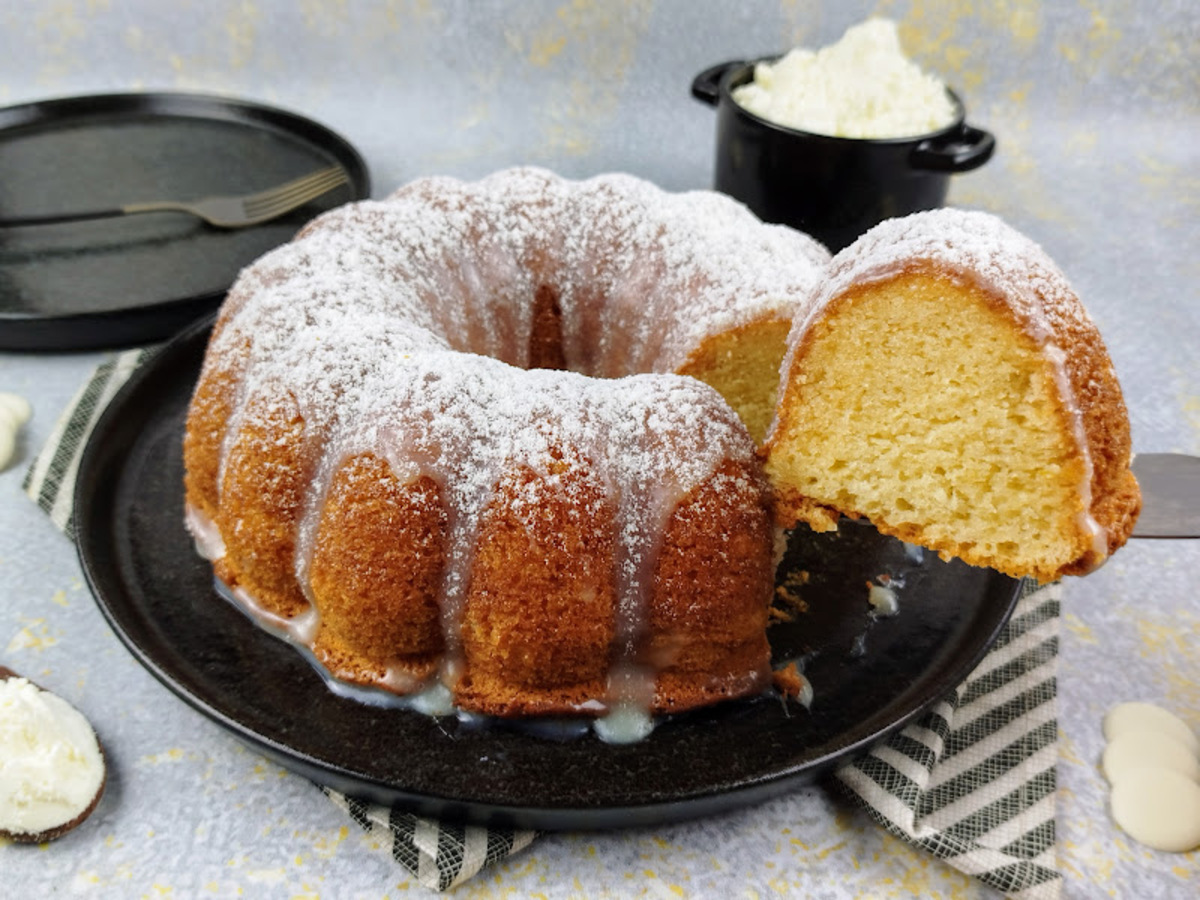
x,y
221,212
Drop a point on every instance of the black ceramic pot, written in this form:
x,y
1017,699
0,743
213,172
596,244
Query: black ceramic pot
x,y
832,188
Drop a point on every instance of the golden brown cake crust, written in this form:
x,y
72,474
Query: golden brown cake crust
x,y
707,623
374,574
540,618
1116,498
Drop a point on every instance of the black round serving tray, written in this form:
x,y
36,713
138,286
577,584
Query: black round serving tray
x,y
134,279
870,675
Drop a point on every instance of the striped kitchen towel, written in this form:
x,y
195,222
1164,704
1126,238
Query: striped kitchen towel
x,y
50,481
972,781
441,854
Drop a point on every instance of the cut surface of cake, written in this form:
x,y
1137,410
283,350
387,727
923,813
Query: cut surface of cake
x,y
448,441
947,385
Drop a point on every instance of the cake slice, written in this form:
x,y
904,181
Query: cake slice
x,y
948,385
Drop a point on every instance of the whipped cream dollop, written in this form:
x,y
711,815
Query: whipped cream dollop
x,y
861,87
51,766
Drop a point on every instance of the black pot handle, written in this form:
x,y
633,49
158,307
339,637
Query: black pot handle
x,y
959,151
707,85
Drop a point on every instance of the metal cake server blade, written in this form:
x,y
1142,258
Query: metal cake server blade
x,y
1170,485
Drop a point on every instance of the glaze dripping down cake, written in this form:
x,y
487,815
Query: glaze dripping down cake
x,y
450,438
947,384
499,440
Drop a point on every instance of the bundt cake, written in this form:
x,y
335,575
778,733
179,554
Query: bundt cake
x,y
381,463
947,385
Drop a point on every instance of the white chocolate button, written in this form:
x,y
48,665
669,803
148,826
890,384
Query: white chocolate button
x,y
1125,717
16,405
1158,808
14,412
8,445
1133,750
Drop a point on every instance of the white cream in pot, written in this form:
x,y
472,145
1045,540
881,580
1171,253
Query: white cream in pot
x,y
861,87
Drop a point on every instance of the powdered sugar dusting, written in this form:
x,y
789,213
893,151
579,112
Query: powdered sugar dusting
x,y
967,244
401,328
971,244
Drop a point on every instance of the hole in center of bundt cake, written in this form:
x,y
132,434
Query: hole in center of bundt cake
x,y
391,468
546,334
741,364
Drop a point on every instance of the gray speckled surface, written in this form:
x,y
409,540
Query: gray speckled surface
x,y
1096,105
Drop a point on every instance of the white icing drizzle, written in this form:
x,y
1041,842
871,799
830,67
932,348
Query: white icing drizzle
x,y
982,248
398,328
622,722
395,690
883,599
625,723
300,629
1084,519
205,533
